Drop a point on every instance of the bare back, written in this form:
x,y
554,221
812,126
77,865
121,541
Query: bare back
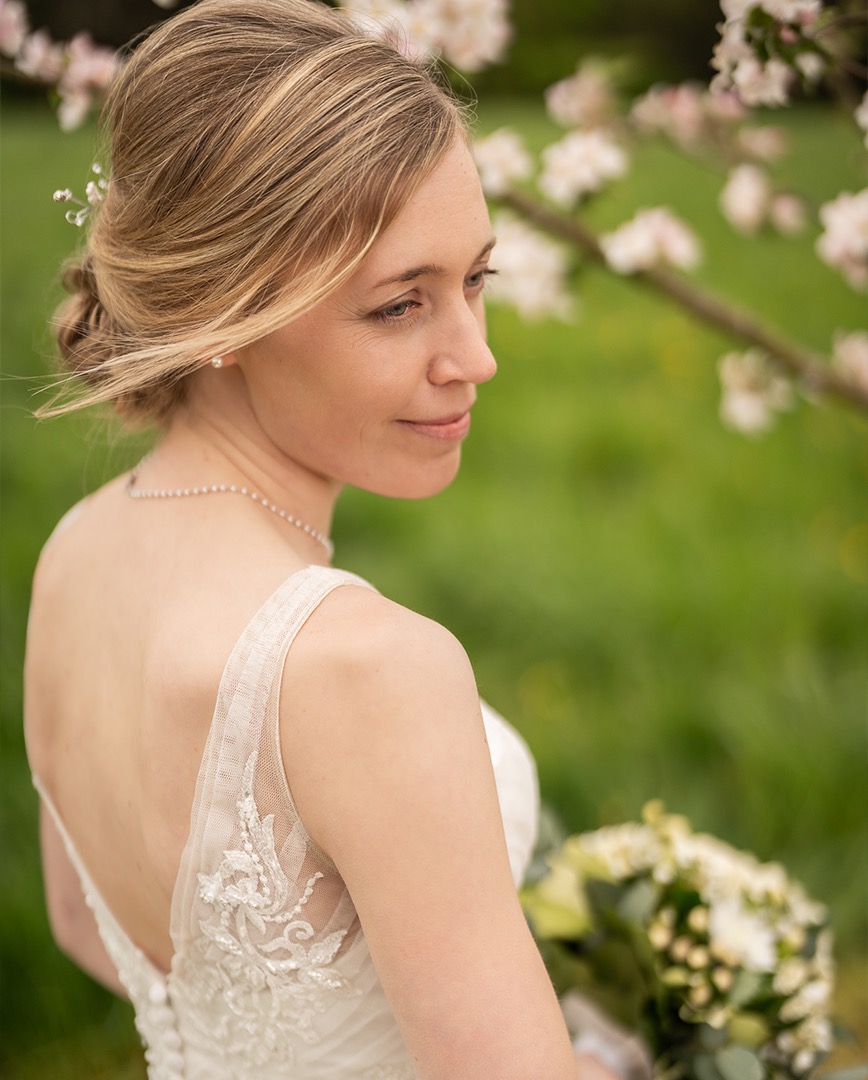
x,y
134,612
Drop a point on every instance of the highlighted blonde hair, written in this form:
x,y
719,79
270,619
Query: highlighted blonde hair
x,y
257,151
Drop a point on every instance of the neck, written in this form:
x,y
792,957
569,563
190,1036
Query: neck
x,y
224,445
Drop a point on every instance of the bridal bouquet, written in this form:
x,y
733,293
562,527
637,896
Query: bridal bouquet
x,y
722,964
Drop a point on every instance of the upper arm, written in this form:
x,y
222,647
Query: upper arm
x,y
386,754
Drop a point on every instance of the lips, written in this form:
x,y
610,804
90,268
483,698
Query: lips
x,y
454,426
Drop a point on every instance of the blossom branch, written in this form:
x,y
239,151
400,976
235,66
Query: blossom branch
x,y
795,360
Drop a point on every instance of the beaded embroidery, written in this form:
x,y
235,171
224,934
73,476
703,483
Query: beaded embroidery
x,y
263,959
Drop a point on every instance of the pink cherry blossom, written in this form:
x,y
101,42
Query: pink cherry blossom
x,y
844,241
88,66
787,213
762,84
737,9
861,116
811,65
13,26
792,11
580,163
502,160
531,271
745,198
752,391
40,57
650,238
850,356
584,99
469,33
767,143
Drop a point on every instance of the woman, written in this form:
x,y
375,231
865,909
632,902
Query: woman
x,y
300,860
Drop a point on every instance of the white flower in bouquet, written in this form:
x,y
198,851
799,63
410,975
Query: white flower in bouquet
x,y
741,937
690,944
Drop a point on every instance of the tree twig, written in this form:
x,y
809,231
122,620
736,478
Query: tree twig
x,y
806,367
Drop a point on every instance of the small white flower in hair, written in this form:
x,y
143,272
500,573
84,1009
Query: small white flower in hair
x,y
95,193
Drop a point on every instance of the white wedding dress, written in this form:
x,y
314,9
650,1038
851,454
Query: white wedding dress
x,y
271,977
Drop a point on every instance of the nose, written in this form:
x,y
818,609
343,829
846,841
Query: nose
x,y
461,352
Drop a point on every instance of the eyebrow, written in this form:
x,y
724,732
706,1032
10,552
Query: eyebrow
x,y
427,269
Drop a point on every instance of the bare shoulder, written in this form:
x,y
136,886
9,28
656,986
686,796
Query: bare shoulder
x,y
358,634
377,703
372,664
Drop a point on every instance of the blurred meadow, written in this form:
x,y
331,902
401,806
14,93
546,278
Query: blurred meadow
x,y
662,607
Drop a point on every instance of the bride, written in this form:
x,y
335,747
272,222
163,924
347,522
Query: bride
x,y
275,813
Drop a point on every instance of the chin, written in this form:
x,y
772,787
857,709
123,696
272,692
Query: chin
x,y
421,483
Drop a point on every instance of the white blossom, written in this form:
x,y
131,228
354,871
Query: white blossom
x,y
580,163
737,9
475,32
502,160
844,241
40,57
811,65
812,998
531,271
793,973
623,850
792,11
648,239
745,198
787,214
850,357
768,143
739,936
762,84
861,115
13,26
584,99
752,391
470,33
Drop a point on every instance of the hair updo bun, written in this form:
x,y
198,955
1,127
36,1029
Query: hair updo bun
x,y
82,323
257,151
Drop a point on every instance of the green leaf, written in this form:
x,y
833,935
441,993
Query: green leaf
x,y
705,1068
746,986
738,1063
639,901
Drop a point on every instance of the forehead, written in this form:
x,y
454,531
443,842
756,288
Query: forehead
x,y
445,220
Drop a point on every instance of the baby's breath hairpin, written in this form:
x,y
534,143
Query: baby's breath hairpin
x,y
95,192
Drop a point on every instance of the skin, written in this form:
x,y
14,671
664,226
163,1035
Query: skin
x,y
373,388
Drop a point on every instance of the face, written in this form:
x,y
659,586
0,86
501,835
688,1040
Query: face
x,y
374,386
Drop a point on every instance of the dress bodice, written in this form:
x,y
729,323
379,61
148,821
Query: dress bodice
x,y
271,977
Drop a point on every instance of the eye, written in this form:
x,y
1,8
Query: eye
x,y
476,281
399,309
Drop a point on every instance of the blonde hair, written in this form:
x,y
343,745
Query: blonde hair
x,y
257,151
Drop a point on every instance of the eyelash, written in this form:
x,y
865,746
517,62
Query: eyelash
x,y
386,315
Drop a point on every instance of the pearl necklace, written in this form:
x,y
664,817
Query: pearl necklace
x,y
228,489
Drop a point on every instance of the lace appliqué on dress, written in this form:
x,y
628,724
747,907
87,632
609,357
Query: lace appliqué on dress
x,y
263,960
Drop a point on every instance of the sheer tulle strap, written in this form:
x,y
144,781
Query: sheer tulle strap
x,y
238,729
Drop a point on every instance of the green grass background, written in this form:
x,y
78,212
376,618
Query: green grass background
x,y
662,607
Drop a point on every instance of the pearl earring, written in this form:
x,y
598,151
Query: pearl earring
x,y
217,362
